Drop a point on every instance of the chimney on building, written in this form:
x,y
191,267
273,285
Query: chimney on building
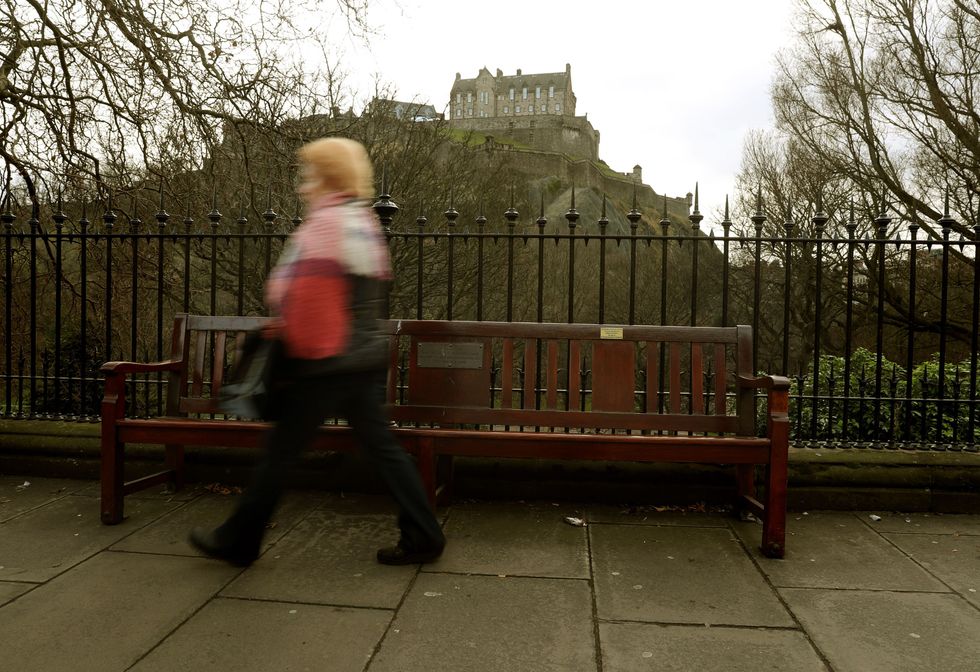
x,y
500,73
518,72
638,173
458,77
568,68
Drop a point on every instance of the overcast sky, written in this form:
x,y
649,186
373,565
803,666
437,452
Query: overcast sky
x,y
672,86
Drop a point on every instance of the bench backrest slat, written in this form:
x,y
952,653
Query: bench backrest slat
x,y
653,377
507,377
197,368
697,380
576,376
613,373
675,377
721,381
551,395
530,373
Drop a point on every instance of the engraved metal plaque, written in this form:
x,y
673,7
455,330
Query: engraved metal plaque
x,y
432,355
611,333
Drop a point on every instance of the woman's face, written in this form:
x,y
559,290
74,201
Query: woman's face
x,y
311,184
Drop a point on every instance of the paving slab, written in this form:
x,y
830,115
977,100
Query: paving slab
x,y
883,631
514,539
456,623
11,589
679,575
46,541
655,515
922,523
838,550
106,613
246,636
23,493
642,647
169,534
157,492
329,558
953,559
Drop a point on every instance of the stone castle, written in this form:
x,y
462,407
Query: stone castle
x,y
534,115
535,110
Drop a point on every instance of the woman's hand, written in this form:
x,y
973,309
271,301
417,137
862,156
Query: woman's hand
x,y
272,328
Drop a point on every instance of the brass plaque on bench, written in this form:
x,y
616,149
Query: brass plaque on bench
x,y
432,355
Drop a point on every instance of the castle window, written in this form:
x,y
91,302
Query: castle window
x,y
551,92
530,108
506,110
524,94
517,109
459,97
459,112
544,108
512,93
557,108
469,111
537,92
469,97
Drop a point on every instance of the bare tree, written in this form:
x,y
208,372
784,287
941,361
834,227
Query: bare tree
x,y
884,93
112,90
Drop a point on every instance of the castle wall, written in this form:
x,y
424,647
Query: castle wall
x,y
585,174
574,136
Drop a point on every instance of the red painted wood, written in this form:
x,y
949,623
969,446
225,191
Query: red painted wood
x,y
697,380
197,373
721,380
507,375
653,377
453,398
530,373
218,363
574,375
675,377
613,367
449,386
551,396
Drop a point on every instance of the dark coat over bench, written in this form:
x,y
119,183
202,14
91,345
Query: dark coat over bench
x,y
508,390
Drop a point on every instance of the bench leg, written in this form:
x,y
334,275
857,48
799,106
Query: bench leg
x,y
175,462
112,470
444,473
112,481
426,457
774,524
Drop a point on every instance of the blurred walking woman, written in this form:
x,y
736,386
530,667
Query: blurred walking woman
x,y
326,294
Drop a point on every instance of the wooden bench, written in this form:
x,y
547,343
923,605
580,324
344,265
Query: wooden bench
x,y
506,390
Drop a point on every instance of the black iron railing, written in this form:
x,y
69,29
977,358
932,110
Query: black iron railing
x,y
875,323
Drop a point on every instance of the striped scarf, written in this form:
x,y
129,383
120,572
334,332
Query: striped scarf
x,y
310,287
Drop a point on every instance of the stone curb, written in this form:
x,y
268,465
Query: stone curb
x,y
861,479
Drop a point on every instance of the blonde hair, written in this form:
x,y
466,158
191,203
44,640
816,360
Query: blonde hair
x,y
343,165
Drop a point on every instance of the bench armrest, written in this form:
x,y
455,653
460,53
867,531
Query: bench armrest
x,y
122,368
765,382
